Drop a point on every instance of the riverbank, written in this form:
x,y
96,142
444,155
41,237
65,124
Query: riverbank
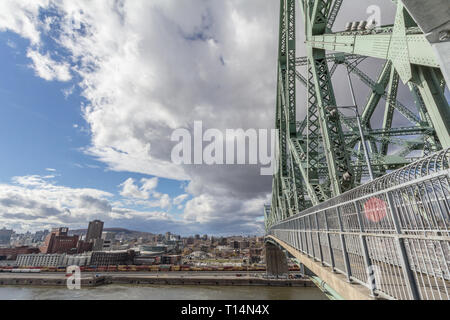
x,y
91,280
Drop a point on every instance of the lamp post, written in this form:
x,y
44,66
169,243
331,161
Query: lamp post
x,y
361,132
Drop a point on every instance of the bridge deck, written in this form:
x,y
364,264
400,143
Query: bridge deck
x,y
395,230
347,290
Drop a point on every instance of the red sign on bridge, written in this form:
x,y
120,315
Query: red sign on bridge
x,y
375,209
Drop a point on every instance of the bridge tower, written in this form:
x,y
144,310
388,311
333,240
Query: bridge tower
x,y
326,147
321,151
276,260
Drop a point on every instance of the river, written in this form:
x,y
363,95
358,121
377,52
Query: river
x,y
128,292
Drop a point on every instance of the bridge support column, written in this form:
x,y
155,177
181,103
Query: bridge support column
x,y
302,269
276,261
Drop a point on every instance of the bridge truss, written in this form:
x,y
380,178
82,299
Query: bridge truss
x,y
321,156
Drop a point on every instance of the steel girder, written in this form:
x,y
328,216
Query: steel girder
x,y
338,161
377,46
333,14
321,156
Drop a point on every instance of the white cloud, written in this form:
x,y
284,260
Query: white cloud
x,y
131,190
11,44
37,201
48,69
34,203
149,184
180,199
21,17
30,181
145,195
164,202
67,92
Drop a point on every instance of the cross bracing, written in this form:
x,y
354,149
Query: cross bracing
x,y
321,154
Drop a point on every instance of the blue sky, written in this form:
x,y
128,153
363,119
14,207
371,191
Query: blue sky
x,y
44,133
43,129
36,119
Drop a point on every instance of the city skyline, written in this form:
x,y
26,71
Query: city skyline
x,y
117,229
103,249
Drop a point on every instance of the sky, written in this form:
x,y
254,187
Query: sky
x,y
91,91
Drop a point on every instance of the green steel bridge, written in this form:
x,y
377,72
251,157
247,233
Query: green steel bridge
x,y
363,201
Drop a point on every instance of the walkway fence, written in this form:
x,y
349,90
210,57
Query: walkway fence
x,y
390,235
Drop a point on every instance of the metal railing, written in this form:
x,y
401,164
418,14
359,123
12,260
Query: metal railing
x,y
390,235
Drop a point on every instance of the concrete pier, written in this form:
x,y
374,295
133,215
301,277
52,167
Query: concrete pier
x,y
276,261
207,281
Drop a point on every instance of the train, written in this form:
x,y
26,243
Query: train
x,y
146,268
17,270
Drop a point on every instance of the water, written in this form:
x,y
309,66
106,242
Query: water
x,y
128,292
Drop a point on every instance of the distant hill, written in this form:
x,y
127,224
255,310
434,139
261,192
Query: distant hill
x,y
127,232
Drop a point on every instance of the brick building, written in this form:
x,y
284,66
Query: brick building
x,y
84,246
12,253
58,241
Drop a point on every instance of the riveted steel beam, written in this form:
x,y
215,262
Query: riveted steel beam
x,y
378,46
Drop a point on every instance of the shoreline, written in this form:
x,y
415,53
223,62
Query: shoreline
x,y
45,280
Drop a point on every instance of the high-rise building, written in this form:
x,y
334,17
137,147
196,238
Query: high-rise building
x,y
97,244
94,231
5,236
108,236
39,236
107,245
